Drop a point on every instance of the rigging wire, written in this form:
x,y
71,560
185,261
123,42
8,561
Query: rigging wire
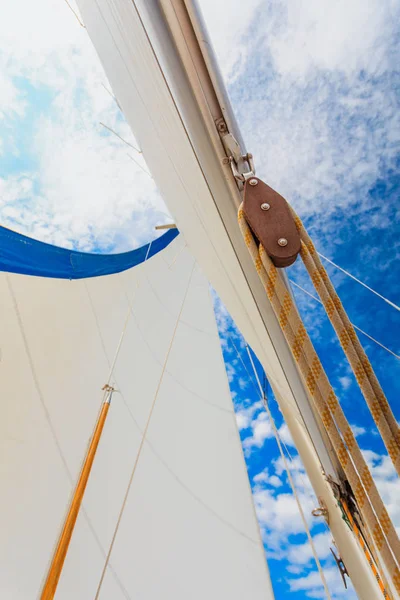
x,y
75,13
139,165
112,96
112,367
291,481
260,391
375,516
143,439
121,138
251,379
301,422
355,326
360,282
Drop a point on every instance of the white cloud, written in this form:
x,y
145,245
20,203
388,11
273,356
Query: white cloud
x,y
345,382
387,481
285,436
222,316
261,430
279,520
357,430
265,478
294,569
228,30
331,35
311,585
277,510
244,416
301,554
14,188
277,514
318,129
316,101
11,103
85,190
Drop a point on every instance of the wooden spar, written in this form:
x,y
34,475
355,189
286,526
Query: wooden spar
x,y
167,226
60,553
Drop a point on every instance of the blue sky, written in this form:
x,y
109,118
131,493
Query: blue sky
x,y
316,95
316,91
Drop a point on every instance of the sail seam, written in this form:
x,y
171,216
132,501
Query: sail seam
x,y
143,439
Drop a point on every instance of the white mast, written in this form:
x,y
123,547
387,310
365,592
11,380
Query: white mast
x,y
167,111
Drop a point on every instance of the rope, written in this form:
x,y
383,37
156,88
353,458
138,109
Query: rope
x,y
139,165
365,549
291,482
61,550
75,13
355,326
371,506
392,304
121,138
143,439
359,362
128,315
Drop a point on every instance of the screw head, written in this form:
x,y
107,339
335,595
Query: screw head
x,y
222,128
265,206
253,182
282,242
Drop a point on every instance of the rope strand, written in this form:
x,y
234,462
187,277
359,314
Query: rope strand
x,y
377,520
358,360
355,326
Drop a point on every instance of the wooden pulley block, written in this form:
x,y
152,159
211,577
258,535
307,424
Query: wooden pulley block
x,y
271,221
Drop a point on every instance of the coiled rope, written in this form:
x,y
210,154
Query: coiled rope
x,y
378,523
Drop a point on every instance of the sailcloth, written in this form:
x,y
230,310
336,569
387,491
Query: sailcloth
x,y
187,528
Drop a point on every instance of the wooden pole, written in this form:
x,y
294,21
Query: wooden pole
x,y
167,226
54,573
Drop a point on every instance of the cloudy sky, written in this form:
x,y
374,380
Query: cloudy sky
x,y
316,91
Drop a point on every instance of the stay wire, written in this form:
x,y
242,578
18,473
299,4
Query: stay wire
x,y
355,326
291,481
392,304
263,398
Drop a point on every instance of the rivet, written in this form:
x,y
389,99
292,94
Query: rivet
x,y
282,242
265,206
253,182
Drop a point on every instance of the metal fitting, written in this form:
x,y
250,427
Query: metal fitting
x,y
320,512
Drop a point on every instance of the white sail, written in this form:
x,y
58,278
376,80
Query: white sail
x,y
168,96
188,529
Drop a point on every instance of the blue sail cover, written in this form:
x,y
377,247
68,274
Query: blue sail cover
x,y
21,254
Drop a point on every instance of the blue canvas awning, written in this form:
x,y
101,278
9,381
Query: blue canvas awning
x,y
21,254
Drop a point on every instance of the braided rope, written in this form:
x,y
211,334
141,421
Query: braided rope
x,y
359,362
373,511
365,549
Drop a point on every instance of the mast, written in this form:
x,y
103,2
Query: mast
x,y
168,87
